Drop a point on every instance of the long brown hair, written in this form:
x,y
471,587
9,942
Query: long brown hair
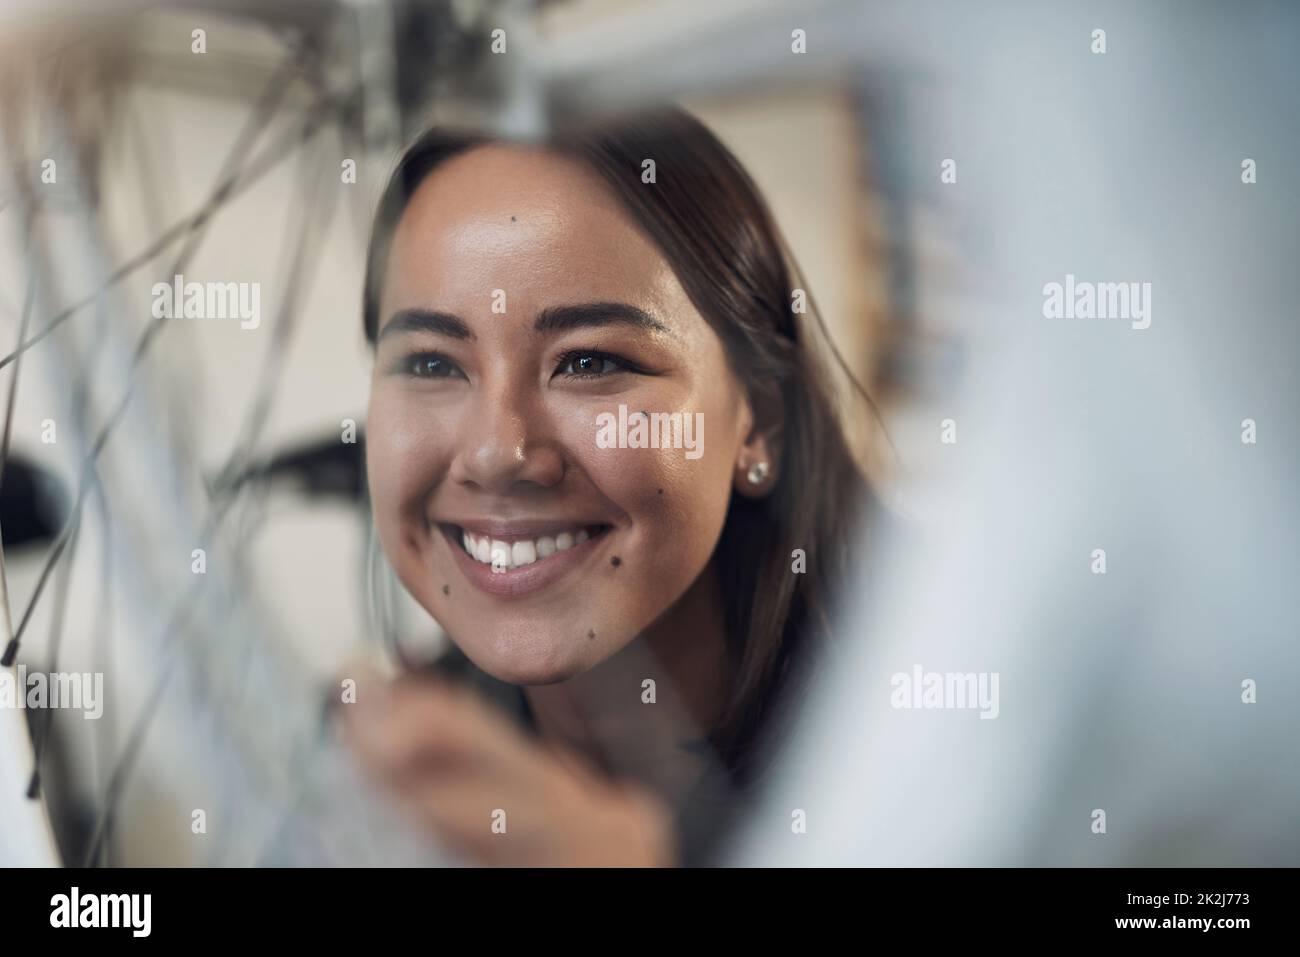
x,y
709,220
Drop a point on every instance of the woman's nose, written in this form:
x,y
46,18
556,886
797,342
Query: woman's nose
x,y
507,441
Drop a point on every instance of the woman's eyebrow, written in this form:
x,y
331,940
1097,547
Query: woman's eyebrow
x,y
425,320
588,314
551,319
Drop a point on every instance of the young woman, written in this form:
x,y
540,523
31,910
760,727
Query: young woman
x,y
638,590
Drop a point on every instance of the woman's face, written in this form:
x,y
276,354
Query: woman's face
x,y
520,306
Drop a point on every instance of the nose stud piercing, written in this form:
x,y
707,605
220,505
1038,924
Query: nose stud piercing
x,y
757,472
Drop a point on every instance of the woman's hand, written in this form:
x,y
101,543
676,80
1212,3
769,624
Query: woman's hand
x,y
492,795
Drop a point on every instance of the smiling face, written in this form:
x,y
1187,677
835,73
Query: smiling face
x,y
520,307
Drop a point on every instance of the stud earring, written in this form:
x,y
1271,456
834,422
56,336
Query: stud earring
x,y
757,472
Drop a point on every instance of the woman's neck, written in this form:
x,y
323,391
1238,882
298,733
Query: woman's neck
x,y
654,734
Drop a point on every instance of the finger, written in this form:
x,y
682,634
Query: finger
x,y
613,826
423,726
395,739
486,821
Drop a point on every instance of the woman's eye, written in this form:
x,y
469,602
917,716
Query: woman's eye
x,y
584,364
431,366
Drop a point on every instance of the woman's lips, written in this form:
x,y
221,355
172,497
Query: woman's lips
x,y
514,563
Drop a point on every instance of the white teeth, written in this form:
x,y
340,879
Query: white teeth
x,y
503,556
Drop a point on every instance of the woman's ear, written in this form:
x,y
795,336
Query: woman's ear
x,y
759,456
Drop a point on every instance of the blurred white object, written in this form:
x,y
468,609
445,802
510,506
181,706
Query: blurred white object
x,y
1121,692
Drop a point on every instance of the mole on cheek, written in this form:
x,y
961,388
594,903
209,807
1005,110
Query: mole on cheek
x,y
590,635
446,589
616,561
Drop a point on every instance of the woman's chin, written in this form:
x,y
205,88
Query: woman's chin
x,y
539,662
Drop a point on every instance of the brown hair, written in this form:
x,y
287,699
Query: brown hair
x,y
709,220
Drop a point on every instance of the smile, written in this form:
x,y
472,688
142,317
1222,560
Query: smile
x,y
509,560
505,554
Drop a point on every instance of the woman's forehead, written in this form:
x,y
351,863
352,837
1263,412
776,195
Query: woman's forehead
x,y
503,217
498,198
